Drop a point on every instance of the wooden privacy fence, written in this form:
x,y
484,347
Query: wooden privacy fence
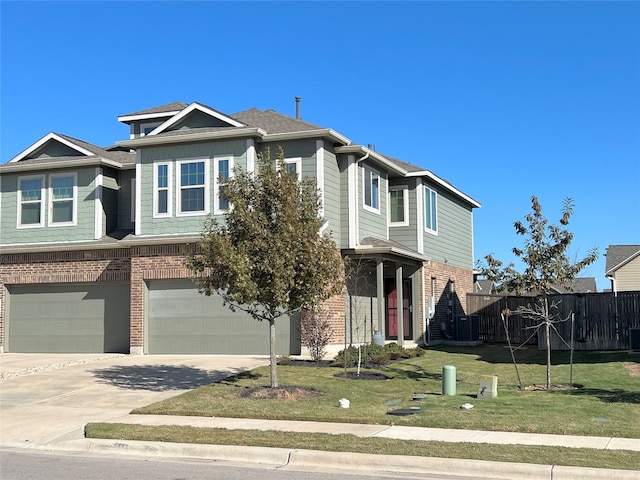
x,y
601,320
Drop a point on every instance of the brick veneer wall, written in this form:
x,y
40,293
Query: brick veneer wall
x,y
111,265
445,275
151,263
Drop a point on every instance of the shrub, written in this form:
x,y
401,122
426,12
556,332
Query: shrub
x,y
315,334
351,354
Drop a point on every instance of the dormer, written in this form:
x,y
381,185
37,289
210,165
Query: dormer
x,y
145,121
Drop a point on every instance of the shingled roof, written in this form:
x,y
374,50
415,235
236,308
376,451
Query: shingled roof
x,y
169,107
618,255
272,121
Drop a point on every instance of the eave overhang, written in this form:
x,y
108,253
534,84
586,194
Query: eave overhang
x,y
93,161
315,133
152,140
372,251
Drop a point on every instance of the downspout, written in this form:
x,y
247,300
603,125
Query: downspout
x,y
424,308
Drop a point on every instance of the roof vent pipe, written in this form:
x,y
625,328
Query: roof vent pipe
x,y
298,108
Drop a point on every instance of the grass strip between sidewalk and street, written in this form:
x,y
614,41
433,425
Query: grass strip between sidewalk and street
x,y
582,457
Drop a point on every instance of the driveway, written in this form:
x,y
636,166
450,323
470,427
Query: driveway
x,y
48,398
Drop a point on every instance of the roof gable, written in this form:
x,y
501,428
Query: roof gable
x,y
619,255
196,115
54,145
162,111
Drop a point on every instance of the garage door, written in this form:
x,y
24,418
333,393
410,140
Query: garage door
x,y
183,321
73,318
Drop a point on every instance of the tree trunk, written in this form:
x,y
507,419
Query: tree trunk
x,y
547,328
273,360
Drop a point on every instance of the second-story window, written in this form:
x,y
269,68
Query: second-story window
x,y
62,199
293,165
223,171
30,195
398,206
192,187
430,210
371,190
162,190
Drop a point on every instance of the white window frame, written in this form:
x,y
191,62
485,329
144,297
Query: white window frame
x,y
405,200
74,199
432,213
216,183
168,188
40,224
178,175
297,161
373,172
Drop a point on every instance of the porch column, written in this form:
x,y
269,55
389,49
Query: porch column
x,y
380,295
399,304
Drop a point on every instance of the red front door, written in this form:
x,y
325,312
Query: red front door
x,y
392,309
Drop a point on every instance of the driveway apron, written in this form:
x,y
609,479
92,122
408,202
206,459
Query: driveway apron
x,y
49,398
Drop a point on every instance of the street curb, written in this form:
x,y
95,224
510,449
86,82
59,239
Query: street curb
x,y
341,461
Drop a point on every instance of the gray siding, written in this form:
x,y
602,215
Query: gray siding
x,y
407,235
344,202
110,191
372,224
125,193
332,194
454,241
82,231
187,224
306,149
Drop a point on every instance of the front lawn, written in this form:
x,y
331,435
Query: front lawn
x,y
607,404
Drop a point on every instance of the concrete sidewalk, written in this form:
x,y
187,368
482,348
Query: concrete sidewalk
x,y
46,400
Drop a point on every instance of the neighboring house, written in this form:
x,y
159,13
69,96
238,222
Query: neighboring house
x,y
93,240
484,287
578,285
623,267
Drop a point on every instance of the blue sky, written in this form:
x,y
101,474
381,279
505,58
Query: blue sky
x,y
503,99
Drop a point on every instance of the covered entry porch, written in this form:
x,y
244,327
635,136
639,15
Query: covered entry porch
x,y
384,284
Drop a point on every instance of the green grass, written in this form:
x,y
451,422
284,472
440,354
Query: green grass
x,y
607,392
349,443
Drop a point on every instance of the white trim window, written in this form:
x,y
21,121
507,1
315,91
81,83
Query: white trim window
x,y
223,170
430,210
63,199
398,206
162,198
30,201
294,165
371,189
192,179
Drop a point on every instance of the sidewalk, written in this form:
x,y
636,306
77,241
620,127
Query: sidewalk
x,y
46,400
387,431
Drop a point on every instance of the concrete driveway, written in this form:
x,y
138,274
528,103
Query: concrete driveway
x,y
48,398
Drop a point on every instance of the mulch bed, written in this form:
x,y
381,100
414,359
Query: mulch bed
x,y
554,387
362,376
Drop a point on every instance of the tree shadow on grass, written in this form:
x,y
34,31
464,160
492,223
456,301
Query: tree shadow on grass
x,y
607,396
418,373
161,378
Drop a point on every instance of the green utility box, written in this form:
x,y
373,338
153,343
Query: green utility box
x,y
448,380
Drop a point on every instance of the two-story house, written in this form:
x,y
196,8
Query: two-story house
x,y
93,239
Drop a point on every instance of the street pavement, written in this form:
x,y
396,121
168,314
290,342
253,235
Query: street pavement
x,y
46,400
